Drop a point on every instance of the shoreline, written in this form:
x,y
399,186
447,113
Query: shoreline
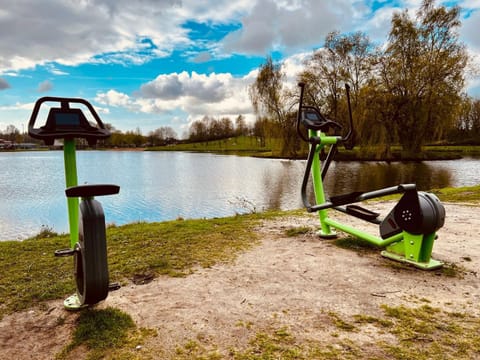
x,y
453,153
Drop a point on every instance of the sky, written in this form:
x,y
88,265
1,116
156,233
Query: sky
x,y
145,64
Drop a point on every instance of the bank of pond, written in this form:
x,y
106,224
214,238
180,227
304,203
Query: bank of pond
x,y
249,146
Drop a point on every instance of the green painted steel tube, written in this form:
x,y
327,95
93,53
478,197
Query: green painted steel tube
x,y
362,234
329,140
71,180
318,186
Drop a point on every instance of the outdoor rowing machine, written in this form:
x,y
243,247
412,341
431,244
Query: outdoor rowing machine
x,y
407,233
87,220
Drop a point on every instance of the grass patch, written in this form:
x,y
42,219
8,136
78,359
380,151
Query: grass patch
x,y
431,333
107,333
469,194
31,274
251,146
296,231
340,323
367,319
463,150
452,270
100,330
174,248
46,232
401,333
273,344
240,145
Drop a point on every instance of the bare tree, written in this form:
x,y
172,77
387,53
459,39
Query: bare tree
x,y
269,98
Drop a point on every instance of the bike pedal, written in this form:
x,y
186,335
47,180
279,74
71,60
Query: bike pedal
x,y
114,286
64,252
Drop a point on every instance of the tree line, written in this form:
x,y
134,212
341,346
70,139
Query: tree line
x,y
206,129
408,91
164,135
209,128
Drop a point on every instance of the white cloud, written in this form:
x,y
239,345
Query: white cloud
x,y
378,26
194,94
216,11
4,84
72,32
115,98
18,107
45,86
470,4
123,31
469,30
293,65
169,86
201,57
288,25
77,31
193,90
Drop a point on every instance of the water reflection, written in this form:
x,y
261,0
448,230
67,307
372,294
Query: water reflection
x,y
158,186
366,176
279,189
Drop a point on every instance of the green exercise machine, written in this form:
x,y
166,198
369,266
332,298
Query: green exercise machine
x,y
407,233
88,244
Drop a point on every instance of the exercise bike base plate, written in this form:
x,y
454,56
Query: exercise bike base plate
x,y
323,235
73,303
430,265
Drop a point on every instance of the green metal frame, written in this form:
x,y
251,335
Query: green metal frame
x,y
404,247
72,303
71,179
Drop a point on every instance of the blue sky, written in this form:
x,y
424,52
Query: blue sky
x,y
151,63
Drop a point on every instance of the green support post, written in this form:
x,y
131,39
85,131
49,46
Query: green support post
x,y
325,231
415,250
72,303
71,180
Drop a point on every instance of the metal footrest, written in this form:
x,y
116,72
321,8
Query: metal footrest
x,y
362,213
65,252
114,286
344,199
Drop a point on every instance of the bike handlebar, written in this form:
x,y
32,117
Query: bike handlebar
x,y
320,123
66,122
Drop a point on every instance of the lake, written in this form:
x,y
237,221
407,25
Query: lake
x,y
159,186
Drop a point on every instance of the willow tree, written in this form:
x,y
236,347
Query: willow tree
x,y
422,70
344,58
375,126
467,128
270,98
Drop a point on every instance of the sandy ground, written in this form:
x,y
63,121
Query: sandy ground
x,y
285,281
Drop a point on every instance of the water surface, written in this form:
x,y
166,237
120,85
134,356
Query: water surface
x,y
158,186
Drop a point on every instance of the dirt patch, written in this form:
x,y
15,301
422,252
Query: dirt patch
x,y
285,281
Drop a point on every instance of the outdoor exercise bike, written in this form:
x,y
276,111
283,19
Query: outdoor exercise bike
x,y
407,233
87,221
